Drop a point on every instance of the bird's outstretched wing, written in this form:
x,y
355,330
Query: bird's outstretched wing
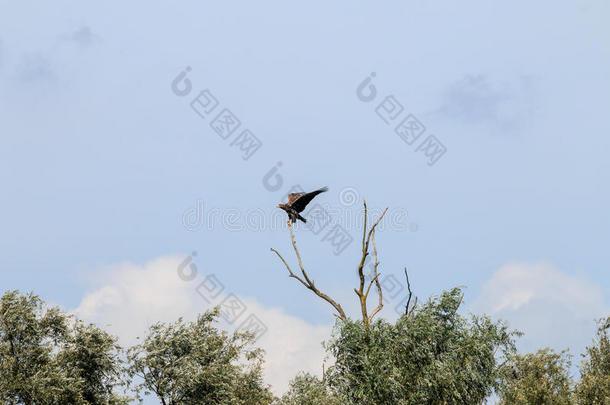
x,y
303,199
292,197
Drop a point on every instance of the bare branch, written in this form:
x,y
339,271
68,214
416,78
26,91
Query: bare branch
x,y
368,289
294,244
307,282
366,238
407,310
323,373
377,283
410,292
360,290
288,268
413,307
364,250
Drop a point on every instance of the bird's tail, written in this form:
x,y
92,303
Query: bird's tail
x,y
301,218
293,216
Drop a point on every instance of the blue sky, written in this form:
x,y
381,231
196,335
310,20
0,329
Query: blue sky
x,y
100,160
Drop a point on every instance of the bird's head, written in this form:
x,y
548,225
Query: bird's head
x,y
281,205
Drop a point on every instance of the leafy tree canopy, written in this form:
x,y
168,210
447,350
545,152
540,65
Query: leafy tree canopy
x,y
307,389
48,358
594,385
539,378
431,356
195,363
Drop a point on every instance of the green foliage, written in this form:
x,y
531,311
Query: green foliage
x,y
594,385
307,389
194,363
46,359
539,378
433,356
92,355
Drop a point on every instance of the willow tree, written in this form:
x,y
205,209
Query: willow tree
x,y
594,385
536,378
49,358
430,355
307,389
195,363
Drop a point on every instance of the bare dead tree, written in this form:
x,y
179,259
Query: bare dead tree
x,y
360,291
363,289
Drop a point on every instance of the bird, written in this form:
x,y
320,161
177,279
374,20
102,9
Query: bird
x,y
297,203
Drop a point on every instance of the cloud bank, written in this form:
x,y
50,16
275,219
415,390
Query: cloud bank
x,y
553,308
127,298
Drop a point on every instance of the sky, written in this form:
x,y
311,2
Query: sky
x,y
127,199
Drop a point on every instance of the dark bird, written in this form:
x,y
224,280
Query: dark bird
x,y
297,203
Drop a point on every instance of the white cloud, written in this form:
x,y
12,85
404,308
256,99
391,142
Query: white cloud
x,y
127,298
551,307
291,345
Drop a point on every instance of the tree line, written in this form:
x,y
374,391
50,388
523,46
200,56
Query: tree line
x,y
431,355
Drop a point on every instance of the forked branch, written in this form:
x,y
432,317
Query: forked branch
x,y
377,283
360,292
305,280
